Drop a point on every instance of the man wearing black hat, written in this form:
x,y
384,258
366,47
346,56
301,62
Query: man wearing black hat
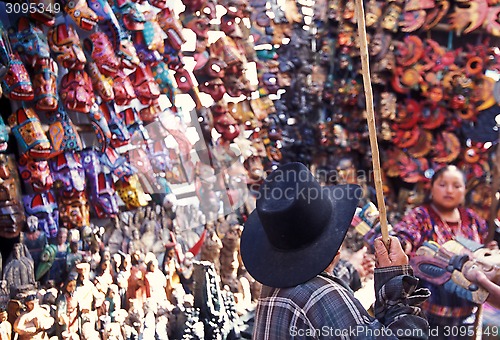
x,y
290,242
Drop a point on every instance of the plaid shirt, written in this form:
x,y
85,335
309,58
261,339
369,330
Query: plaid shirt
x,y
325,308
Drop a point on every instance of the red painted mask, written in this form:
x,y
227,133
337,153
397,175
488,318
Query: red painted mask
x,y
123,89
224,123
102,52
17,83
45,84
194,5
78,94
146,88
183,79
172,27
65,44
81,13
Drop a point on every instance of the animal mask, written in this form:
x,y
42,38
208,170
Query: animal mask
x,y
62,132
28,131
130,192
172,27
29,41
78,94
146,88
12,216
101,187
102,52
35,174
43,206
123,89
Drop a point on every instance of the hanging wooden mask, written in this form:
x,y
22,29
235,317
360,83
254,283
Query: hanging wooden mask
x,y
130,192
65,44
67,171
35,174
12,218
74,211
27,129
44,207
29,41
76,91
102,53
81,13
102,193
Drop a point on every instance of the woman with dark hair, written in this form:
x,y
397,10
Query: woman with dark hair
x,y
441,219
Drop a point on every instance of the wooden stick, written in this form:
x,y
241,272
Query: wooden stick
x,y
370,117
495,187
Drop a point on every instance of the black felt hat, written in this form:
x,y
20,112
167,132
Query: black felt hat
x,y
297,227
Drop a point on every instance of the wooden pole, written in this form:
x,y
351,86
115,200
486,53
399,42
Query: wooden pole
x,y
495,187
370,117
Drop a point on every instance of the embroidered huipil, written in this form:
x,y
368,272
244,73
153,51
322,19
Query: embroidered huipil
x,y
423,224
325,308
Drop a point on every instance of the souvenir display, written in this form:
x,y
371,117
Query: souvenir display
x,y
136,107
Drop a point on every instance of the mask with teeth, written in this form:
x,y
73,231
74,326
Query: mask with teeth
x,y
102,53
78,94
101,188
123,89
74,211
81,13
12,216
132,17
35,174
29,41
146,88
65,44
16,83
30,136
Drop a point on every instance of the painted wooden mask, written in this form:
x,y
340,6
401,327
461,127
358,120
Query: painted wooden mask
x,y
43,205
12,216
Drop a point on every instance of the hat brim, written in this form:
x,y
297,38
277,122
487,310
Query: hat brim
x,y
278,268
